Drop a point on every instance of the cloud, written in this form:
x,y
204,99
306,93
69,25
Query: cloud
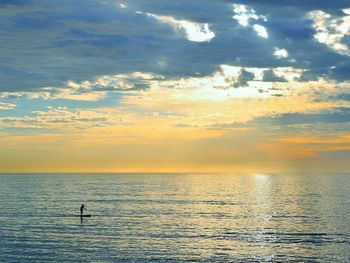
x,y
216,98
331,30
72,42
229,93
90,90
195,32
244,16
62,118
7,106
246,81
288,73
201,81
280,53
300,120
319,144
260,30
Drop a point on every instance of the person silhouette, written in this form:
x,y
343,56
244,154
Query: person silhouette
x,y
82,207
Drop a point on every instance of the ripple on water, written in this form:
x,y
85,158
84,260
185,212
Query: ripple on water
x,y
175,218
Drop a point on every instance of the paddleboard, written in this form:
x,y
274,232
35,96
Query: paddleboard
x,y
85,215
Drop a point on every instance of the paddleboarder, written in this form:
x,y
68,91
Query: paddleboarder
x,y
82,207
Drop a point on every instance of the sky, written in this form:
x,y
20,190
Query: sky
x,y
174,86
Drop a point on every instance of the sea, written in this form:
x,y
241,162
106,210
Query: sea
x,y
175,218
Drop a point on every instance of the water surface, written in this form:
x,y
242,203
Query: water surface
x,y
175,218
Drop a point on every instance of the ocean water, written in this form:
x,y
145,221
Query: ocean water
x,y
175,218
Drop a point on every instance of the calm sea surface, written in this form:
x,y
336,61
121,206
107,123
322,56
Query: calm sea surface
x,y
175,218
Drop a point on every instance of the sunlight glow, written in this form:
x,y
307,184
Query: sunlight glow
x,y
195,32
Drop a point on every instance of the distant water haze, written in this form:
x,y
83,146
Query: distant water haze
x,y
175,217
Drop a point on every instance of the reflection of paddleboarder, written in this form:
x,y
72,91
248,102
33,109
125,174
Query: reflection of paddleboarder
x,y
82,207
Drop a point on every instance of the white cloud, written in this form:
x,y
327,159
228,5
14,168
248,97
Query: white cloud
x,y
288,73
280,53
196,32
123,5
89,90
7,106
227,77
244,16
59,117
200,101
331,30
260,30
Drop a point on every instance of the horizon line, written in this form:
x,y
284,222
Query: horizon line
x,y
183,172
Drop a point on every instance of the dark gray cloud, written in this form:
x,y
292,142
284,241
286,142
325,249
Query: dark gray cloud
x,y
336,116
15,3
47,43
343,96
